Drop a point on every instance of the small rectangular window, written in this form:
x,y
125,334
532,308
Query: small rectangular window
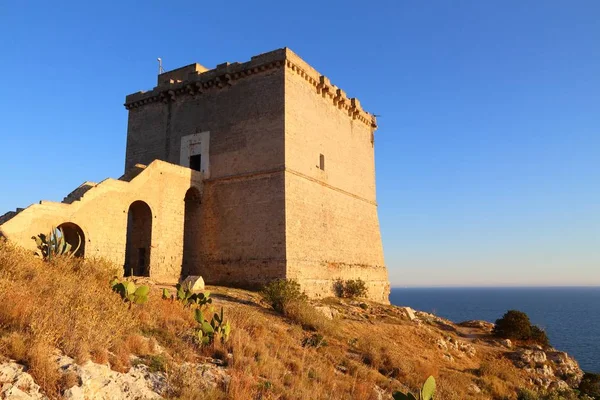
x,y
195,162
322,162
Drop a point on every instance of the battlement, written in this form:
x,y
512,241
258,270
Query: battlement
x,y
195,79
180,74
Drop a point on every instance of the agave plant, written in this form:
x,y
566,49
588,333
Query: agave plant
x,y
54,244
427,392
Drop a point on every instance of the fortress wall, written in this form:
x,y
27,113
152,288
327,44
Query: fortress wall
x,y
102,215
146,140
245,121
332,227
241,235
314,126
243,230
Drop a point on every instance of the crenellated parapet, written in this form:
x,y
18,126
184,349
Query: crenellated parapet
x,y
329,91
195,80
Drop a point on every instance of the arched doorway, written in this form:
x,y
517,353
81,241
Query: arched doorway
x,y
191,233
139,238
74,236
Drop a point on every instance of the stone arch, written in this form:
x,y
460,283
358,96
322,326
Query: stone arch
x,y
74,236
190,264
139,239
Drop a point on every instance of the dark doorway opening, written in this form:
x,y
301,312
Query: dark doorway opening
x,y
191,234
139,238
195,162
75,237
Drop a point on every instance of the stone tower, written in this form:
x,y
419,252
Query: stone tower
x,y
288,166
243,174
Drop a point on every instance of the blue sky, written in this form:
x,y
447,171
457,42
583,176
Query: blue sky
x,y
488,150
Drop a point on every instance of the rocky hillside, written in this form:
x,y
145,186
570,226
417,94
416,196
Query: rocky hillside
x,y
65,334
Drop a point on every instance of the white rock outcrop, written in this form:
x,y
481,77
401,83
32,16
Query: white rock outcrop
x,y
17,384
196,283
98,381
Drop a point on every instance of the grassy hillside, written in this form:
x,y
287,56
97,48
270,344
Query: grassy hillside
x,y
365,352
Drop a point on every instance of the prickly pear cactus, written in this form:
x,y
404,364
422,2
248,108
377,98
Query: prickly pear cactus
x,y
427,392
208,331
189,298
129,292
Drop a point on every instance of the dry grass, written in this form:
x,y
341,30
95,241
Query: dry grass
x,y
68,305
500,378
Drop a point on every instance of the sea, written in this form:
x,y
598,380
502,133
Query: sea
x,y
569,315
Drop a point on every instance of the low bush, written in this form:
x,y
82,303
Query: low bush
x,y
539,336
516,325
351,288
526,394
590,385
567,394
513,325
282,293
305,315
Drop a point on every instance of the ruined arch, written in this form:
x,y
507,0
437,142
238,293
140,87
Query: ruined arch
x,y
139,239
74,236
190,264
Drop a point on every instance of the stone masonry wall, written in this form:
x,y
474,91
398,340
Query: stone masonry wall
x,y
332,228
102,215
242,223
243,230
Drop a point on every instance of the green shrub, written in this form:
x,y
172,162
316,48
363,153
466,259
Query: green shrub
x,y
355,288
513,325
155,362
351,288
526,394
282,293
517,326
590,385
539,336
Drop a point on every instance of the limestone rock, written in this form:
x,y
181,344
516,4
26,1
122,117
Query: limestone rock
x,y
441,344
565,367
548,370
458,346
16,384
328,312
196,283
506,343
98,381
473,388
408,312
486,326
528,358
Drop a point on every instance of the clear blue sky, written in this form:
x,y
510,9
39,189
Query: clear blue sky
x,y
488,150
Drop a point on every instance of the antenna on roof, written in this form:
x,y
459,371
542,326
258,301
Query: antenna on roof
x,y
160,68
